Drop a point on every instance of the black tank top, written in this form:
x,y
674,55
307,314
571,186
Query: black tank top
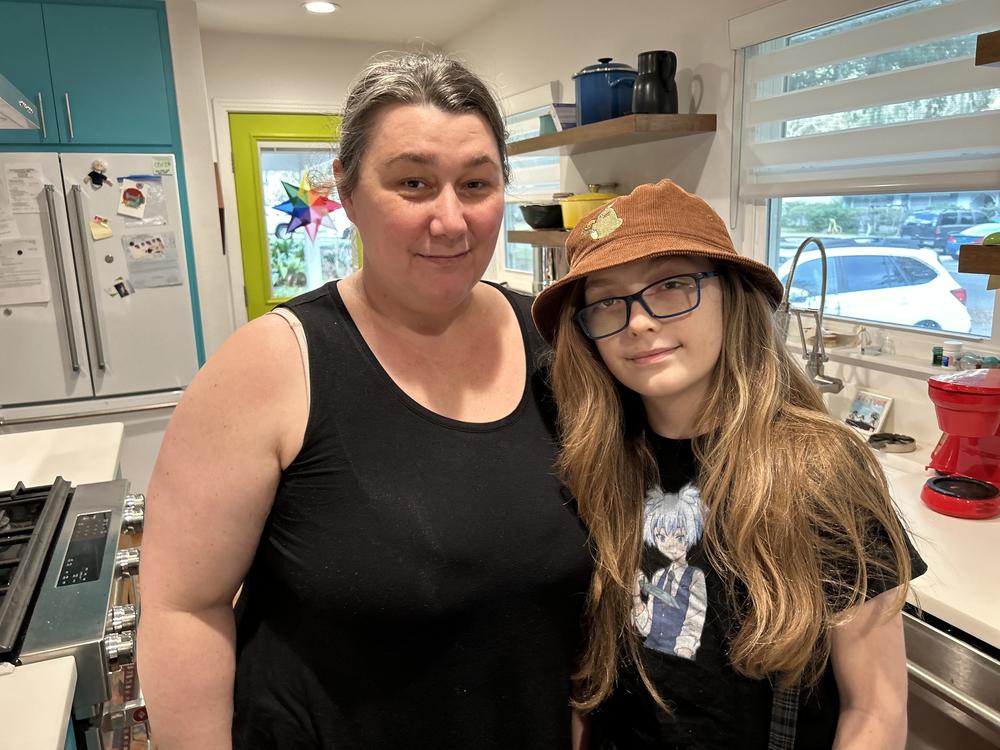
x,y
419,581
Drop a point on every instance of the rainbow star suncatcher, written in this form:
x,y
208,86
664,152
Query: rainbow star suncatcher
x,y
307,206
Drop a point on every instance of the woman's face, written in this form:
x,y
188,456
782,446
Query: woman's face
x,y
428,203
661,359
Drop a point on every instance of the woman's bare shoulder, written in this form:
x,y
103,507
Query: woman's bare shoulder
x,y
256,380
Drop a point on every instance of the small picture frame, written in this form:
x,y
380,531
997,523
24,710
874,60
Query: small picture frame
x,y
868,411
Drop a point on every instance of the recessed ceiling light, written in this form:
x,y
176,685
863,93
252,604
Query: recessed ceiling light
x,y
319,6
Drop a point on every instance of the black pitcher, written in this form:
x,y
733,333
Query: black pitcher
x,y
655,89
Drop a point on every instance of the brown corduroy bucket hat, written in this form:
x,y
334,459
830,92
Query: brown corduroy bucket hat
x,y
650,222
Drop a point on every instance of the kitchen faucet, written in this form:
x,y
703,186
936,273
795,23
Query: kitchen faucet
x,y
815,357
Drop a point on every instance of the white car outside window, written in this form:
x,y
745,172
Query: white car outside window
x,y
900,286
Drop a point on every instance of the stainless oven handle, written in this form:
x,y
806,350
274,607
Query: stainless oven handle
x,y
50,204
41,117
969,705
91,281
69,115
88,414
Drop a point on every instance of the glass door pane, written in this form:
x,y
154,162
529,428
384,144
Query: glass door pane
x,y
309,237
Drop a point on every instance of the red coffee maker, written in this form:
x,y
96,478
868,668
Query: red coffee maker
x,y
968,411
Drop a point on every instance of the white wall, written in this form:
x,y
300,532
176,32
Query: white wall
x,y
282,68
530,43
196,139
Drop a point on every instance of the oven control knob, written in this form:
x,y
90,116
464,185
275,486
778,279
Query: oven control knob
x,y
132,518
138,500
122,617
120,647
127,561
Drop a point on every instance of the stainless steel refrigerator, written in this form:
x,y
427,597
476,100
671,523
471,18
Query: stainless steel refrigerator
x,y
95,294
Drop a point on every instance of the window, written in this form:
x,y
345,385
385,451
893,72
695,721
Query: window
x,y
532,179
878,135
872,248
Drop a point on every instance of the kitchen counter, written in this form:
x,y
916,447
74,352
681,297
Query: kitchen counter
x,y
34,704
960,585
81,455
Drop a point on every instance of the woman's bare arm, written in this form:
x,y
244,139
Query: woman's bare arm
x,y
239,423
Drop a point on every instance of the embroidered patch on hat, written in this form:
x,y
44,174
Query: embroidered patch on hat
x,y
606,222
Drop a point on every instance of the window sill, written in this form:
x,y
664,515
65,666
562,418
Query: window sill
x,y
894,364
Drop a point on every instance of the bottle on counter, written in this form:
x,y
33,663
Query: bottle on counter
x,y
969,361
951,352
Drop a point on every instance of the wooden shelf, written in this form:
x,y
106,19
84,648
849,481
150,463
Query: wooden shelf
x,y
988,49
539,237
979,259
621,131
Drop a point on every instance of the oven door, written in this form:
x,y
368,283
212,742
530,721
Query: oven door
x,y
954,691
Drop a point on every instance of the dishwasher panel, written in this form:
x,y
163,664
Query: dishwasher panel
x,y
954,691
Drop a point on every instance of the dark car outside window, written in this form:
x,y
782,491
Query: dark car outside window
x,y
808,277
861,273
915,271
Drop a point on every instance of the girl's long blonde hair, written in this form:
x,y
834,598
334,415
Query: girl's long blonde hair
x,y
797,508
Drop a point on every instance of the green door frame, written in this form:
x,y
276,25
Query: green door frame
x,y
245,131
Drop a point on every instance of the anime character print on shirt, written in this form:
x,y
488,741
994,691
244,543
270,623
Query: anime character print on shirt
x,y
669,607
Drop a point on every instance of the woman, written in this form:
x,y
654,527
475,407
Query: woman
x,y
371,464
750,563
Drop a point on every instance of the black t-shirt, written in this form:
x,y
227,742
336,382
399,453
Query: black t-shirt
x,y
419,581
684,623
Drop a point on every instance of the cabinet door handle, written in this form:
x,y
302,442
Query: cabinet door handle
x,y
91,280
41,117
61,274
69,115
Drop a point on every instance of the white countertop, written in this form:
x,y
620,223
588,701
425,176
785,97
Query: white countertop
x,y
35,701
962,582
81,455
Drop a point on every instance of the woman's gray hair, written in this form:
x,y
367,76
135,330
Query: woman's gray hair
x,y
412,78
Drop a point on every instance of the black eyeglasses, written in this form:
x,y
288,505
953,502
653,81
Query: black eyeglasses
x,y
666,298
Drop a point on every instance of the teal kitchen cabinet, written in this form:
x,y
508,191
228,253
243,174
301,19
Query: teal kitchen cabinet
x,y
24,61
108,74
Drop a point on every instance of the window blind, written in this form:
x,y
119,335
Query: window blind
x,y
886,101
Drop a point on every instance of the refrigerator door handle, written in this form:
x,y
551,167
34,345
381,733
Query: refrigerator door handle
x,y
61,274
69,115
91,288
41,117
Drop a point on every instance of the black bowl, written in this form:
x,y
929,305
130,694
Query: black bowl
x,y
548,216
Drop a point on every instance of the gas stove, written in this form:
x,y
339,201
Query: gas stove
x,y
69,560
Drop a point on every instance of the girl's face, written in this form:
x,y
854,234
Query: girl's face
x,y
428,203
661,359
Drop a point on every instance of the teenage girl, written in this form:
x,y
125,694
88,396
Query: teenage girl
x,y
751,566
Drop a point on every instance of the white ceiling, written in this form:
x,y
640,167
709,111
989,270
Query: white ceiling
x,y
397,21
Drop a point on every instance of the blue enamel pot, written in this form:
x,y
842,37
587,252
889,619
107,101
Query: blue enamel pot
x,y
604,91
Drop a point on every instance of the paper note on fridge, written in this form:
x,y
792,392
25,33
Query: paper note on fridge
x,y
132,199
152,260
24,188
100,229
8,229
24,277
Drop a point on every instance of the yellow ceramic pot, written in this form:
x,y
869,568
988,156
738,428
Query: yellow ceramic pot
x,y
576,207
